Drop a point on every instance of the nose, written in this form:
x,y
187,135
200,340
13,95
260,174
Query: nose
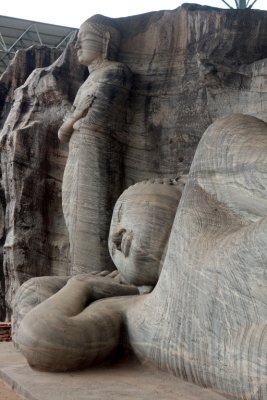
x,y
77,45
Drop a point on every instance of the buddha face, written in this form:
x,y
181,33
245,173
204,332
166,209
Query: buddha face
x,y
89,46
139,232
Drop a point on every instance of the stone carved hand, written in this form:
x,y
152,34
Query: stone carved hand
x,y
101,285
72,307
114,274
66,129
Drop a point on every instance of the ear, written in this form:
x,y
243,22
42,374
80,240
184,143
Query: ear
x,y
106,39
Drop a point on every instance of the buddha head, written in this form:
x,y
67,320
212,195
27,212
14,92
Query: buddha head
x,y
140,228
98,40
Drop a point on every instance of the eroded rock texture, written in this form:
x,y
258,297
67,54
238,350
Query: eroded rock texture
x,y
206,320
189,66
32,166
23,63
141,224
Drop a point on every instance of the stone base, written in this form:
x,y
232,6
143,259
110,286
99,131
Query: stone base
x,y
124,380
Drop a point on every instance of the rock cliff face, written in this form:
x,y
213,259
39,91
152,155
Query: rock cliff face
x,y
190,66
24,62
36,241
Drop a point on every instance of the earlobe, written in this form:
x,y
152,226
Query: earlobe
x,y
106,39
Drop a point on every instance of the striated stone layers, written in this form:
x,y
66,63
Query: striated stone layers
x,y
206,320
189,66
68,330
24,62
32,166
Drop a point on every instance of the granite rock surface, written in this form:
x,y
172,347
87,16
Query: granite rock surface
x,y
32,161
190,66
21,66
206,320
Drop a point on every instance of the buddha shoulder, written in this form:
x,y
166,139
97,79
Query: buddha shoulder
x,y
113,73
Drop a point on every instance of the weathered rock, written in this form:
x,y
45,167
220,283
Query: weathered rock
x,y
2,241
69,330
206,320
189,66
32,167
93,176
140,228
23,63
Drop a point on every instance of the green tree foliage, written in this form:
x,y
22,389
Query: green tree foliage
x,y
241,4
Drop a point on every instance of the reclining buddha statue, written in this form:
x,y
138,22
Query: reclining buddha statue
x,y
66,323
189,294
206,318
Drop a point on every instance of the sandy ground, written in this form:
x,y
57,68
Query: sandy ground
x,y
8,394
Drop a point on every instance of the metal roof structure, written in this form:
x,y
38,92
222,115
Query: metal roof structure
x,y
241,4
18,34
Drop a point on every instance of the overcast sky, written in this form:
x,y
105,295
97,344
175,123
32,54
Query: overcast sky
x,y
73,12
